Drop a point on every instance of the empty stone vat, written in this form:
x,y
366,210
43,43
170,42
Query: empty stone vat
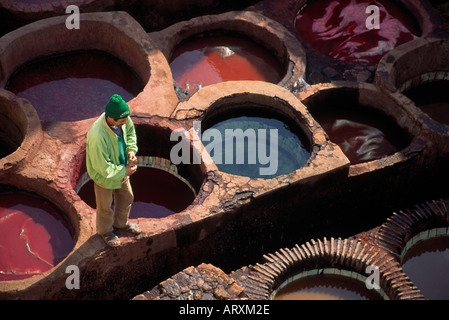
x,y
416,75
21,130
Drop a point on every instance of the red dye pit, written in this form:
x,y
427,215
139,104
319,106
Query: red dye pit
x,y
74,86
338,29
211,60
33,237
363,136
157,194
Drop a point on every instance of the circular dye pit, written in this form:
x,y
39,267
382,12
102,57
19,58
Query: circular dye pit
x,y
432,98
255,144
326,287
74,86
158,193
209,60
33,236
362,133
426,263
339,29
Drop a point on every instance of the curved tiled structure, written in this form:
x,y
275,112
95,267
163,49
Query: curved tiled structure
x,y
217,246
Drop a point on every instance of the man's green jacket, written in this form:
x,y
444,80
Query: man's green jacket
x,y
102,152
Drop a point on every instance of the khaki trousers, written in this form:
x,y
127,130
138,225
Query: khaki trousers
x,y
108,218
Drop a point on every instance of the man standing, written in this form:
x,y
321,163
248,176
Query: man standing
x,y
110,160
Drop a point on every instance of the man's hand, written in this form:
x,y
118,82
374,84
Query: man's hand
x,y
132,158
130,169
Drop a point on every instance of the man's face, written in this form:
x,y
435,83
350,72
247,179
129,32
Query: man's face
x,y
118,122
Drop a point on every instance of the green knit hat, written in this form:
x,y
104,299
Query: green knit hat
x,y
117,108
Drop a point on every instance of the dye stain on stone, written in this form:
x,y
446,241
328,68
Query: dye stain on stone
x,y
33,236
362,133
256,146
326,287
157,193
338,29
201,62
74,86
426,263
433,99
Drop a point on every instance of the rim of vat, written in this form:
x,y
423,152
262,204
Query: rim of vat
x,y
427,18
27,121
401,117
411,64
315,256
109,32
405,228
407,62
261,29
324,156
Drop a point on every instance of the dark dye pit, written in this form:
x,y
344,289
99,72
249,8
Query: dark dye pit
x,y
254,147
157,193
326,287
74,86
202,62
36,1
338,29
433,99
426,263
362,133
33,236
11,137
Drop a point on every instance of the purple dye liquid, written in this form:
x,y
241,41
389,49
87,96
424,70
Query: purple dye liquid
x,y
427,263
326,287
33,236
157,194
74,86
363,136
